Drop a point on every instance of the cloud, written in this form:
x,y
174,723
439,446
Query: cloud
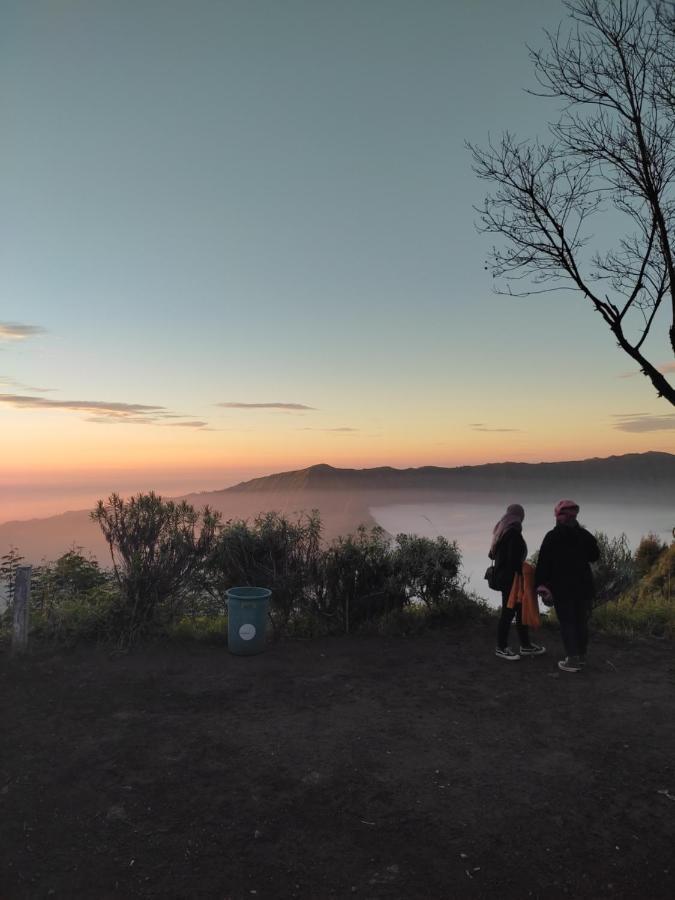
x,y
101,411
643,422
479,426
195,424
15,331
292,406
325,430
118,419
85,405
9,382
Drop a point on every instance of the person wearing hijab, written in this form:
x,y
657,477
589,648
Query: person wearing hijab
x,y
564,579
508,550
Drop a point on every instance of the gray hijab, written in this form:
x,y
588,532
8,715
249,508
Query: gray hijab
x,y
513,516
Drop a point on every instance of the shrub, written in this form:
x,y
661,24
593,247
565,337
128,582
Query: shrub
x,y
9,563
357,580
628,619
659,583
459,608
428,568
73,575
156,546
615,571
171,571
71,619
648,552
273,552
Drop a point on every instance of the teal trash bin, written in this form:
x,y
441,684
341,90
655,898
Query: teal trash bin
x,y
247,610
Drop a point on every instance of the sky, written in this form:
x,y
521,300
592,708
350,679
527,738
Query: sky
x,y
237,237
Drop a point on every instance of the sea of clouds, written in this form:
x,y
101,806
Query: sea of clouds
x,y
471,524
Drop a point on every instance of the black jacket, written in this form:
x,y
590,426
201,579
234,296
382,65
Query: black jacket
x,y
564,563
509,556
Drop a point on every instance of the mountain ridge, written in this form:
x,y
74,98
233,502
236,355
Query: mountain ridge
x,y
649,467
344,497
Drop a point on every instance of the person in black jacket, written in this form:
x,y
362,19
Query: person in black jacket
x,y
564,579
508,550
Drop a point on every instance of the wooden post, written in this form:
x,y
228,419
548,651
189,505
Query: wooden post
x,y
21,604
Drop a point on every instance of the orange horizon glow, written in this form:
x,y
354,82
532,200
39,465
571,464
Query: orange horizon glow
x,y
48,469
216,465
50,487
60,446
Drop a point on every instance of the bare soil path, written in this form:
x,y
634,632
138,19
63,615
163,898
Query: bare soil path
x,y
359,767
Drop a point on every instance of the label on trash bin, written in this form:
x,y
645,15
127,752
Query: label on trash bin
x,y
247,632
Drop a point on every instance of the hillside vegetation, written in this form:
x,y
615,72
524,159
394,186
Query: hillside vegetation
x,y
172,566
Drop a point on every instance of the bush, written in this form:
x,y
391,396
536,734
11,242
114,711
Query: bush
x,y
357,581
71,599
615,571
648,552
88,617
156,547
171,573
428,568
73,575
628,619
458,609
274,553
9,563
659,583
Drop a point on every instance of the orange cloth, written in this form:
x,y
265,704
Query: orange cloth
x,y
523,592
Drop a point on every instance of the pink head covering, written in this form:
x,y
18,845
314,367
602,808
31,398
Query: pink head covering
x,y
513,517
566,510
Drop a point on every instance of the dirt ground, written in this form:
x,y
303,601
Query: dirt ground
x,y
357,767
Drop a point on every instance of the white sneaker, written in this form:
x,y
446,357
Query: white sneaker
x,y
570,664
506,653
532,650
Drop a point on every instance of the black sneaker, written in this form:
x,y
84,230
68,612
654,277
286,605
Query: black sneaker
x,y
570,664
532,650
506,653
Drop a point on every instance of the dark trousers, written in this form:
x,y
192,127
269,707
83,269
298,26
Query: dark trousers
x,y
505,623
573,616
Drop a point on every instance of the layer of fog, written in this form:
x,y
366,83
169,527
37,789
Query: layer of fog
x,y
50,495
471,524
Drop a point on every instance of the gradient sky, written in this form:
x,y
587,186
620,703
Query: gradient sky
x,y
236,237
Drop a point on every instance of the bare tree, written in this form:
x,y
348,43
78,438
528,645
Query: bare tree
x,y
611,77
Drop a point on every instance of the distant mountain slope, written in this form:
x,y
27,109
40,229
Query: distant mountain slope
x,y
653,471
343,496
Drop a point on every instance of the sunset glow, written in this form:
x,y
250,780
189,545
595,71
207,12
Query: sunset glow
x,y
252,249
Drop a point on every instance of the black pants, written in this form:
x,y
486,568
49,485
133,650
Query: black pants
x,y
573,616
505,623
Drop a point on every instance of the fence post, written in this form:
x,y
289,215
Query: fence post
x,y
21,604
